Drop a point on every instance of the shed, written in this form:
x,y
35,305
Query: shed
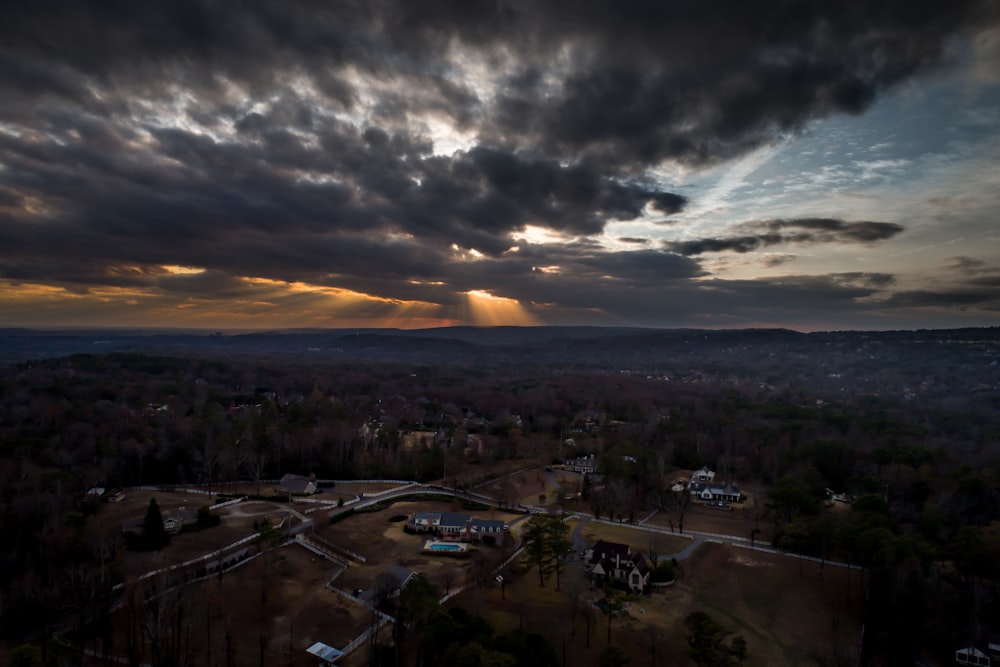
x,y
327,654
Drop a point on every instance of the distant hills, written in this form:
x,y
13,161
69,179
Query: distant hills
x,y
589,346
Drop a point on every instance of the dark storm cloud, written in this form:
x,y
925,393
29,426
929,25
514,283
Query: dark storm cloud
x,y
635,81
290,141
741,244
863,231
802,231
777,260
966,264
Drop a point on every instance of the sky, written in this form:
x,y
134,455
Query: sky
x,y
390,163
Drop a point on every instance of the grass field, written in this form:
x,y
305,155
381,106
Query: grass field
x,y
787,618
640,540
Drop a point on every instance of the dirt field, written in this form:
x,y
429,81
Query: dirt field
x,y
787,618
345,489
528,485
236,524
298,611
383,542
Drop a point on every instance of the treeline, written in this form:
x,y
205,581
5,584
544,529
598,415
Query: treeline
x,y
924,478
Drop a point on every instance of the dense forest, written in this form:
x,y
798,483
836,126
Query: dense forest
x,y
911,438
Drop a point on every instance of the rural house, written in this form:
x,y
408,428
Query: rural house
x,y
717,492
297,484
611,561
584,464
703,475
458,527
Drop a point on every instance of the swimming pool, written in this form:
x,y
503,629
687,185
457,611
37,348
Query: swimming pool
x,y
446,547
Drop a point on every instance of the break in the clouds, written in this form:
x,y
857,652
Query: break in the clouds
x,y
387,162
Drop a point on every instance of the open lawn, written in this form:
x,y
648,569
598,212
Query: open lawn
x,y
787,617
383,542
640,540
789,612
737,519
237,522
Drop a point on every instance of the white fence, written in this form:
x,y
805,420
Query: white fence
x,y
227,502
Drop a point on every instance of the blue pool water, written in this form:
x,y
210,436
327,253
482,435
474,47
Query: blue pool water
x,y
445,547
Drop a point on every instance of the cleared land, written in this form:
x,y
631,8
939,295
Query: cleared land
x,y
641,541
787,610
382,542
280,597
787,618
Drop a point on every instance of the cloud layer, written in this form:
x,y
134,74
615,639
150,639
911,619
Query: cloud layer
x,y
328,162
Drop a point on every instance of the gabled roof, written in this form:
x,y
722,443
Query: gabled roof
x,y
721,489
449,519
296,483
481,524
603,549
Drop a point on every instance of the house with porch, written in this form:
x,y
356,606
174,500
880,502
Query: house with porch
x,y
583,464
617,563
458,527
709,492
703,476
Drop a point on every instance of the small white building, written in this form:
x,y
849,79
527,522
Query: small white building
x,y
327,654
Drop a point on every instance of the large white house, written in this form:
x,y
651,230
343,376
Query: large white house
x,y
458,527
584,464
715,492
611,561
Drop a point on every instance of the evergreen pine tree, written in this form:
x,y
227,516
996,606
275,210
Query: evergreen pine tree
x,y
154,535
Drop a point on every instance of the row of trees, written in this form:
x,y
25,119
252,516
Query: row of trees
x,y
117,420
546,545
426,634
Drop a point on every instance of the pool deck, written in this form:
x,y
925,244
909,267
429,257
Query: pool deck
x,y
434,546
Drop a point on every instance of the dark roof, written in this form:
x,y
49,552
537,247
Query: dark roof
x,y
604,548
295,483
714,487
393,578
449,519
479,524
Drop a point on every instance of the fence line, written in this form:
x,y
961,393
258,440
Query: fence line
x,y
318,549
735,540
363,637
326,544
186,564
227,502
499,568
